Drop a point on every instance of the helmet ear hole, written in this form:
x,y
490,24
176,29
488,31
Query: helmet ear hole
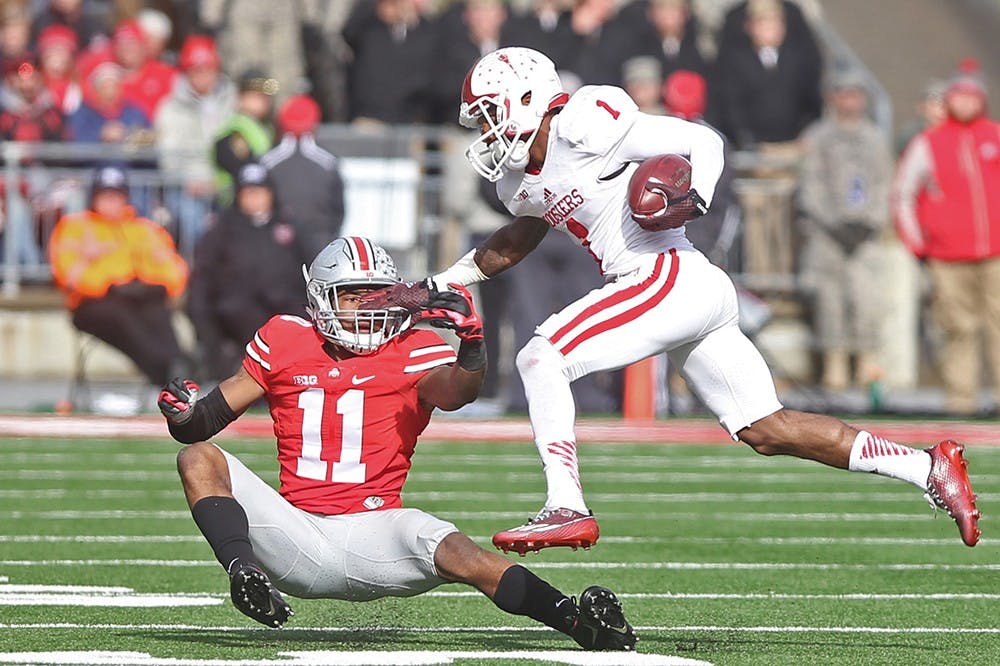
x,y
526,99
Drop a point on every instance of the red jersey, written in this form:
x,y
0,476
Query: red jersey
x,y
346,429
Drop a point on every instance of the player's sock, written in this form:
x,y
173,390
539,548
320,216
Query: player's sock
x,y
552,413
871,453
224,523
521,592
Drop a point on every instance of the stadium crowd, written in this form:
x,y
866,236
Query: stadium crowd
x,y
216,86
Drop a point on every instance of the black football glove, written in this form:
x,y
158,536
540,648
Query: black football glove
x,y
409,296
453,309
177,399
679,211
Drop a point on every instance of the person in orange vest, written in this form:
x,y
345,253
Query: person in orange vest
x,y
119,273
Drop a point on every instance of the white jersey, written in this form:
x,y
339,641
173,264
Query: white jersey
x,y
594,146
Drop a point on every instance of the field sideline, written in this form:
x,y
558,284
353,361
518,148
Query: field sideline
x,y
720,556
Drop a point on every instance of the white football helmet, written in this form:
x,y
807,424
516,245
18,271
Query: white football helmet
x,y
510,90
352,262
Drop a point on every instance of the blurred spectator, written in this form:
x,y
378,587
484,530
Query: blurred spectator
x,y
119,273
157,29
389,79
770,84
306,178
642,79
72,14
543,27
147,81
466,31
56,53
254,33
770,91
15,33
599,43
27,110
947,208
798,33
248,133
669,33
326,55
248,268
106,116
186,126
844,198
930,111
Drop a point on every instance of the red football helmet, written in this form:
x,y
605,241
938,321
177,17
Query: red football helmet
x,y
505,95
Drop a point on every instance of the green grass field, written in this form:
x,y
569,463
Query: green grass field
x,y
719,556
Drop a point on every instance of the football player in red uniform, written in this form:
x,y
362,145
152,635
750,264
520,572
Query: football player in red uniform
x,y
349,392
565,162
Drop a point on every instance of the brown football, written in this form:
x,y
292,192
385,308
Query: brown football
x,y
655,184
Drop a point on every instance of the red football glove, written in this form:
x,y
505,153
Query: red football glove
x,y
678,211
176,400
409,296
453,309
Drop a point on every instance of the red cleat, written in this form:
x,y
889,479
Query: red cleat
x,y
551,527
948,487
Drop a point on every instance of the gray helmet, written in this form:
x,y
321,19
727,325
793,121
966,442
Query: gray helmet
x,y
352,262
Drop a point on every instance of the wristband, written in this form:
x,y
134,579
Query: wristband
x,y
210,415
472,355
465,271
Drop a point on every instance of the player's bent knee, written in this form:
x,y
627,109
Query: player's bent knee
x,y
765,435
199,456
538,352
460,560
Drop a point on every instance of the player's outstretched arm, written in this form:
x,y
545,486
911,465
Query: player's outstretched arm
x,y
191,418
451,386
505,247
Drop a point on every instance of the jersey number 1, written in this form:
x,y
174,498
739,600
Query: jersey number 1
x,y
349,469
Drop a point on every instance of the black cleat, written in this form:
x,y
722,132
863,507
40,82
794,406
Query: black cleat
x,y
255,596
601,624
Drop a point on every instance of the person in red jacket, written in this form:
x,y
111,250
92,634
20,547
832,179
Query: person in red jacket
x,y
947,208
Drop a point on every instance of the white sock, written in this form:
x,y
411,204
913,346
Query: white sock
x,y
878,455
552,413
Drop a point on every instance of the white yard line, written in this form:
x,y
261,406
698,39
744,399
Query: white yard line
x,y
502,629
357,658
605,539
668,566
860,596
111,538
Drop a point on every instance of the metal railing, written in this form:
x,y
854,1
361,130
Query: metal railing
x,y
392,180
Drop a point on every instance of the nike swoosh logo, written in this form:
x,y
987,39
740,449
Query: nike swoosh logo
x,y
361,380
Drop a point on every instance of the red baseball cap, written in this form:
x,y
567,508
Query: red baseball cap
x,y
58,35
299,115
129,30
198,51
684,94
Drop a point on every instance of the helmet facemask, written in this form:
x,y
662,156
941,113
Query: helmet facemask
x,y
334,272
502,144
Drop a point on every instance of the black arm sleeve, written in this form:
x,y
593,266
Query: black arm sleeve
x,y
211,414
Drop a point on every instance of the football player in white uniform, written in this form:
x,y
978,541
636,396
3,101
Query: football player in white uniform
x,y
564,162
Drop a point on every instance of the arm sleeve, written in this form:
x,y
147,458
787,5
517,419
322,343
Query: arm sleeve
x,y
655,135
211,414
915,168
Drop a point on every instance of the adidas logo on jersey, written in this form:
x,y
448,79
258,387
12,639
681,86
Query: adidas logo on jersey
x,y
548,196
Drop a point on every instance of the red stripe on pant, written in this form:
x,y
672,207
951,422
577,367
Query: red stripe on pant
x,y
630,315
